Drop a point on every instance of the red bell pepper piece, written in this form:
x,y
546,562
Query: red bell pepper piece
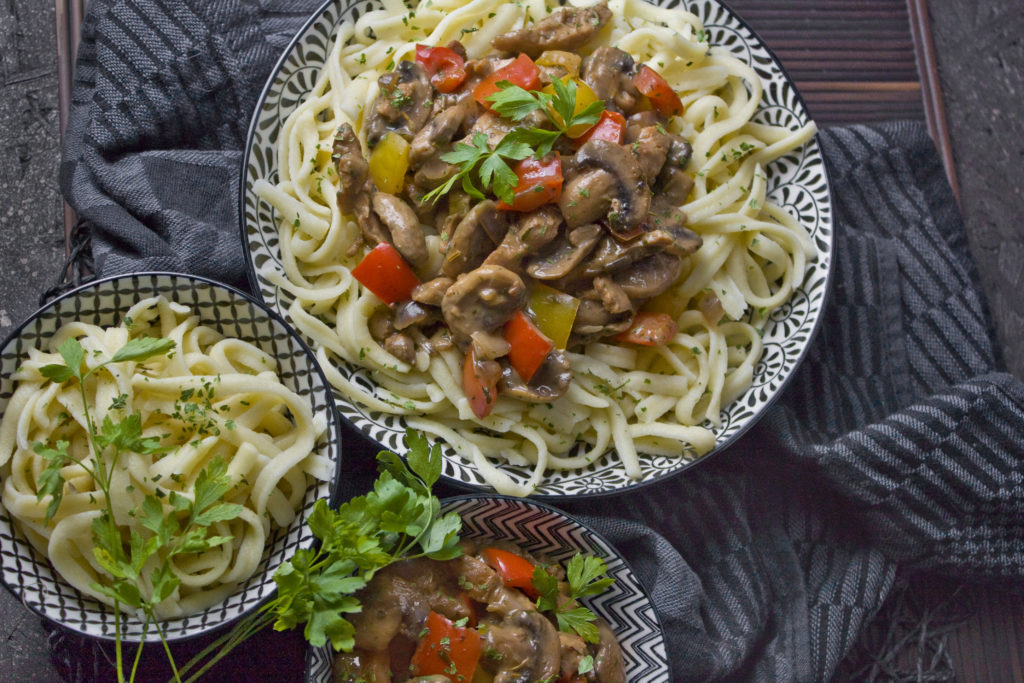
x,y
528,346
610,127
446,649
663,98
540,182
521,71
515,571
649,329
384,272
445,66
480,383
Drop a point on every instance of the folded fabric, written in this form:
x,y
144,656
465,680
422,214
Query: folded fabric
x,y
896,443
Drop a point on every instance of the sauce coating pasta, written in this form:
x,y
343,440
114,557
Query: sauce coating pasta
x,y
212,399
635,400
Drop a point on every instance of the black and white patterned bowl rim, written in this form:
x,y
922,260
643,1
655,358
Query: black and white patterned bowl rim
x,y
29,575
798,181
551,535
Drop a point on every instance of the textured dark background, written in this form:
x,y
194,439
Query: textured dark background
x,y
980,56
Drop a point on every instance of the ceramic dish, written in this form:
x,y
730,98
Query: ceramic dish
x,y
552,535
797,181
30,577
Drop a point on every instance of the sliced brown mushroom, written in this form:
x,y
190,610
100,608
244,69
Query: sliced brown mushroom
x,y
406,234
482,300
649,277
651,149
409,313
432,291
530,233
613,297
549,382
565,253
351,166
609,665
438,133
401,346
629,197
609,72
594,321
476,236
403,105
567,29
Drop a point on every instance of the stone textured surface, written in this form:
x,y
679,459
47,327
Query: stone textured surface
x,y
980,49
30,208
31,235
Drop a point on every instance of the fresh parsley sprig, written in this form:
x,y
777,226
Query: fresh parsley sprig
x,y
559,108
585,575
490,166
178,526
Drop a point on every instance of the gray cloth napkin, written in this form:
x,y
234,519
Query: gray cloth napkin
x,y
896,446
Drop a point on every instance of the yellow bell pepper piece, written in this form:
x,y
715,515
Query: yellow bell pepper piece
x,y
553,313
389,162
585,96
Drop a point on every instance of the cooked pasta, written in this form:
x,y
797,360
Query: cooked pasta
x,y
211,397
632,400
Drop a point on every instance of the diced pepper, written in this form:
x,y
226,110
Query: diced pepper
x,y
515,571
585,96
446,649
553,312
389,162
663,98
528,346
649,329
570,61
610,127
384,272
446,67
521,71
540,182
480,383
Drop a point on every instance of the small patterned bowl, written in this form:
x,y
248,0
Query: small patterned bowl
x,y
29,576
550,534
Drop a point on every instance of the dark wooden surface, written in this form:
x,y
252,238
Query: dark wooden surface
x,y
854,61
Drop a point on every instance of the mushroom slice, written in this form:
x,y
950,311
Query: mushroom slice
x,y
532,231
630,198
352,168
609,72
594,321
476,236
404,226
482,300
651,149
549,382
650,277
567,29
432,291
565,253
403,105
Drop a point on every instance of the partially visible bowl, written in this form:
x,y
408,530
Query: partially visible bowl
x,y
552,535
30,576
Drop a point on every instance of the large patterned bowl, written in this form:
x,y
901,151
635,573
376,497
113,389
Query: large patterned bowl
x,y
797,182
553,536
29,576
